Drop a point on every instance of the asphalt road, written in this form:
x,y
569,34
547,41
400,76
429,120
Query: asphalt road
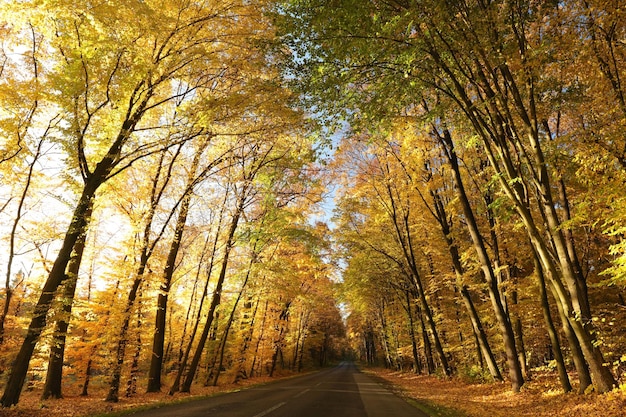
x,y
342,391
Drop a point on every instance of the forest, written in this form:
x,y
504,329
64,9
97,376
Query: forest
x,y
195,193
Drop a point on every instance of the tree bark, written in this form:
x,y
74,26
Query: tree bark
x,y
404,237
158,340
53,385
215,301
259,340
485,351
506,330
243,350
231,318
183,362
552,333
409,310
78,226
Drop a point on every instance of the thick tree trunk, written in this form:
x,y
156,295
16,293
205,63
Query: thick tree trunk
x,y
78,227
554,255
53,385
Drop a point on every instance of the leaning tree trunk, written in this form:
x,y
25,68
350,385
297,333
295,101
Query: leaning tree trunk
x,y
215,301
229,324
552,333
78,226
279,338
183,361
400,220
506,330
147,249
479,332
12,236
245,345
54,377
259,340
480,335
158,339
428,348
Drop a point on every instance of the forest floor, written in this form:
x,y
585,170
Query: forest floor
x,y
440,397
539,397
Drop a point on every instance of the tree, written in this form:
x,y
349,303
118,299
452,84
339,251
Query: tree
x,y
475,70
109,77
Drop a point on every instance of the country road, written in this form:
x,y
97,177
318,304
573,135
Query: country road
x,y
342,391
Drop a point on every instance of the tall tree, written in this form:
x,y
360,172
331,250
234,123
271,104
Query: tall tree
x,y
104,101
478,67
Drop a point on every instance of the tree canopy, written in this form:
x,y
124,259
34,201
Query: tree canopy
x,y
165,167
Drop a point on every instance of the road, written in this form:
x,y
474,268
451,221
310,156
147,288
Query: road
x,y
342,391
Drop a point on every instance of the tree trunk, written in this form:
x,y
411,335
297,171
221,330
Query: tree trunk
x,y
417,368
481,338
78,227
506,330
158,340
552,333
120,353
477,327
183,362
279,339
428,349
131,385
404,238
231,319
247,339
259,340
53,385
147,248
12,236
389,362
215,301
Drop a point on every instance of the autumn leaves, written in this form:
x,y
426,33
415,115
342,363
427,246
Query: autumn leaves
x,y
173,129
479,126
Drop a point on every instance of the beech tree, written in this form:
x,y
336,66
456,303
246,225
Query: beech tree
x,y
475,70
113,80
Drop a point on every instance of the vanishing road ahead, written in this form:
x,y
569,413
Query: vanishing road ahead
x,y
342,391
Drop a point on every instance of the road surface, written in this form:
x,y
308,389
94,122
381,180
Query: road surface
x,y
342,391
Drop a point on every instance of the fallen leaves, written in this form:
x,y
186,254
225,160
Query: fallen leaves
x,y
496,399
